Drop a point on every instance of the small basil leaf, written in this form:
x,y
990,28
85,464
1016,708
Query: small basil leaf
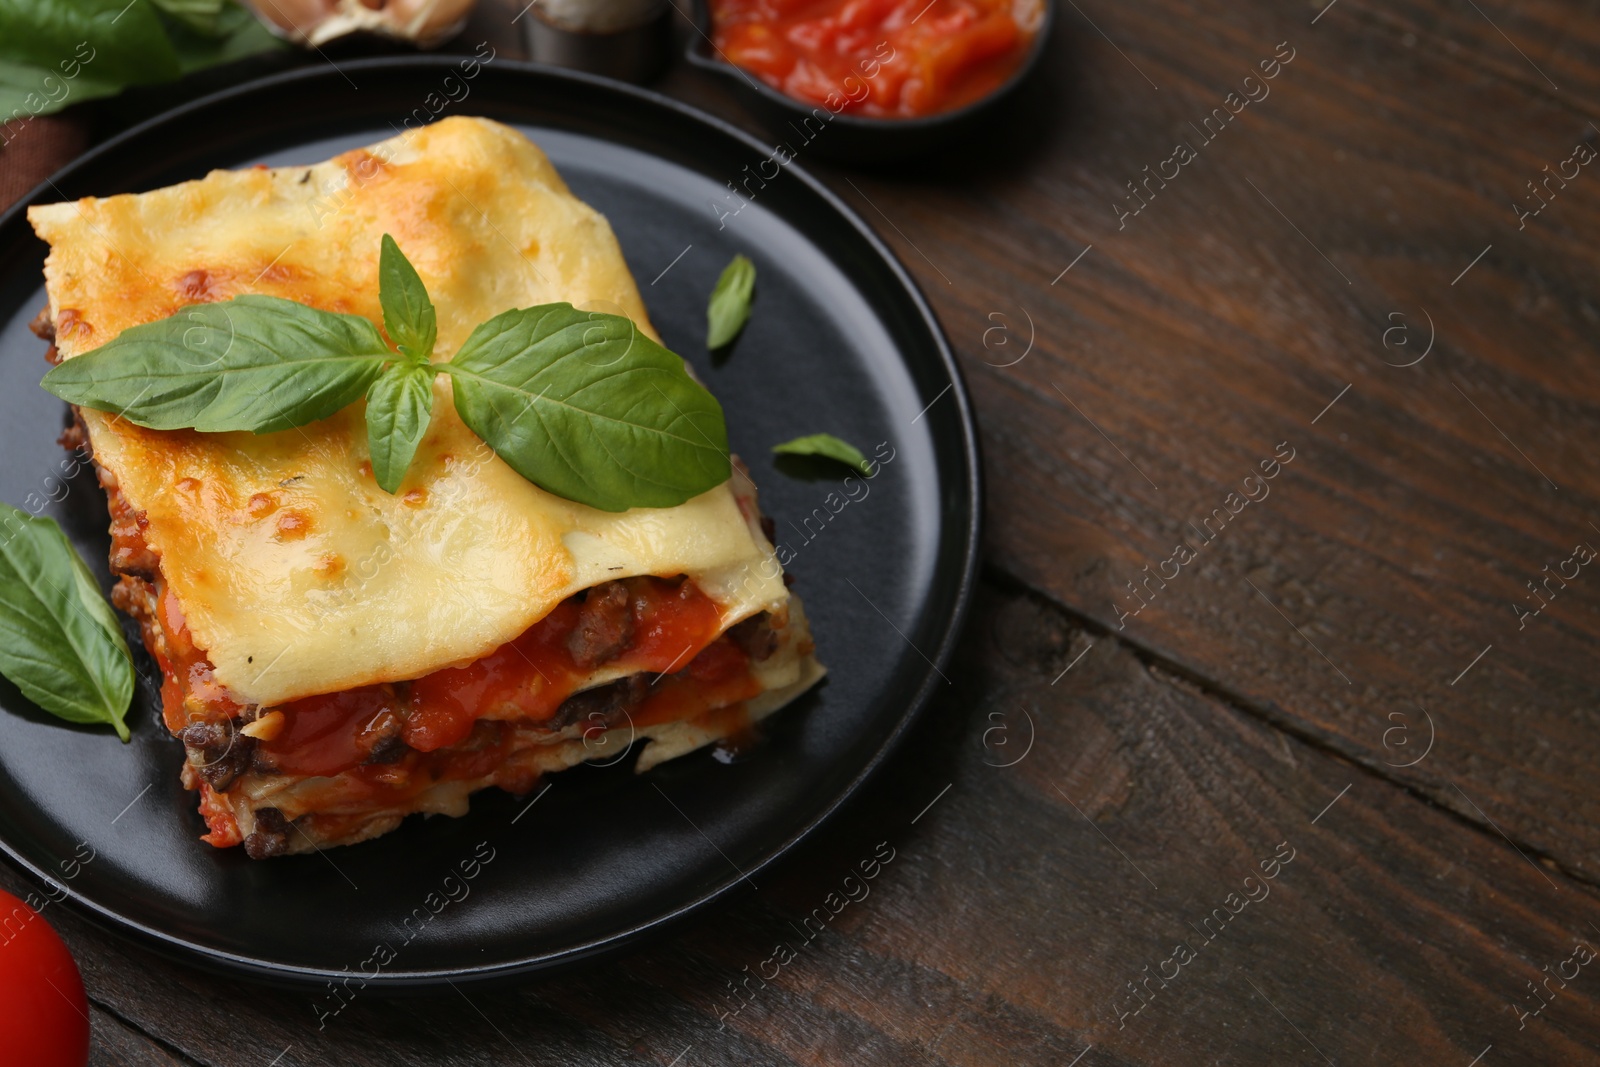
x,y
59,640
729,308
585,406
408,314
829,447
256,363
399,405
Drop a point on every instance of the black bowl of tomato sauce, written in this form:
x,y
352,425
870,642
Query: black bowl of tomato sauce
x,y
871,81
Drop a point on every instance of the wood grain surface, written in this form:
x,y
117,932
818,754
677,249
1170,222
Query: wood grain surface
x,y
1082,825
1359,215
1344,664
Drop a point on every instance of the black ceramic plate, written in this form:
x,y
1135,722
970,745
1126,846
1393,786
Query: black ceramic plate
x,y
840,341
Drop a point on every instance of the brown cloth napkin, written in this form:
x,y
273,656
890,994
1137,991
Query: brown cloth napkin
x,y
40,148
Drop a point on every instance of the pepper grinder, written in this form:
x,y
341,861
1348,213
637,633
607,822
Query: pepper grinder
x,y
629,40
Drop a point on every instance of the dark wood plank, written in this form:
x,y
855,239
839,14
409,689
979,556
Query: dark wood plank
x,y
1196,338
1227,316
1016,910
115,1044
1550,46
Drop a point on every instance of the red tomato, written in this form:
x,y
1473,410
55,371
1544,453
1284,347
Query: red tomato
x,y
44,1015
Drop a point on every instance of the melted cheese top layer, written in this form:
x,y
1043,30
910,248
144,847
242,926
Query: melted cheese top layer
x,y
296,573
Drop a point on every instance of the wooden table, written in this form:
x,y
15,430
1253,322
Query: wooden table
x,y
1343,679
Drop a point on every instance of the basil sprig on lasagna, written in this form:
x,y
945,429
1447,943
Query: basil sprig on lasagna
x,y
580,403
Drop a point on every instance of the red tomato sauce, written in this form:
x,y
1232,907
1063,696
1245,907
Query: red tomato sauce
x,y
185,671
878,58
319,733
223,830
720,675
189,689
675,635
535,673
442,715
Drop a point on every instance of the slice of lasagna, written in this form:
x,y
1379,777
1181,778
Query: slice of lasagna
x,y
335,657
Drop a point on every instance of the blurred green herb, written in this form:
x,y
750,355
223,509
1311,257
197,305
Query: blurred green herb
x,y
198,15
59,52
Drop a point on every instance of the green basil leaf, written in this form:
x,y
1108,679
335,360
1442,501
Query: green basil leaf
x,y
28,91
256,363
585,406
114,40
59,640
729,308
399,405
829,447
198,15
54,53
408,314
234,34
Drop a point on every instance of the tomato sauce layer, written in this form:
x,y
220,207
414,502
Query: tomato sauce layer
x,y
455,713
879,58
189,689
223,831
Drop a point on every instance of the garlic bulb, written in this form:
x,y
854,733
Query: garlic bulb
x,y
425,23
